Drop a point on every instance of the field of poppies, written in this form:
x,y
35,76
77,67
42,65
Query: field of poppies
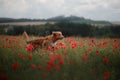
x,y
75,58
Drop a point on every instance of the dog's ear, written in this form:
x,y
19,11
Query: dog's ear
x,y
54,33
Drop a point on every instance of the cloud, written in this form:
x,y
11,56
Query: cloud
x,y
13,8
94,9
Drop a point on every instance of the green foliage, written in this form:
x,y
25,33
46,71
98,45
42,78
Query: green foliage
x,y
67,28
74,67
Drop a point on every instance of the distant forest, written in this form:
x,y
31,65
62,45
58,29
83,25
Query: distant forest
x,y
67,28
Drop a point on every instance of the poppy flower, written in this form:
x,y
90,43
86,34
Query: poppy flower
x,y
1,70
50,48
105,60
41,55
97,51
74,45
51,62
33,66
85,58
89,49
30,47
56,48
66,53
106,75
4,77
15,66
4,46
53,57
48,67
61,62
39,67
93,41
56,68
6,39
48,54
21,56
62,46
29,56
59,56
86,53
8,46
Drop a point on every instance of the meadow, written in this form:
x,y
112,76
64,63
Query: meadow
x,y
26,23
75,58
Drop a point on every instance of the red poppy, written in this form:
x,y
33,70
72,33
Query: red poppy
x,y
4,46
48,67
61,62
56,68
116,40
60,43
56,48
106,75
33,66
63,47
48,54
50,48
89,49
1,70
59,56
53,57
11,41
30,47
41,55
93,41
97,51
66,53
15,66
104,44
105,60
39,67
51,63
4,77
21,56
8,46
29,56
85,58
74,46
6,39
82,45
86,53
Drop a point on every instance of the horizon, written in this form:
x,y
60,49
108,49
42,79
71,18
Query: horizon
x,y
107,10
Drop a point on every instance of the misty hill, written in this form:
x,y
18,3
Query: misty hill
x,y
75,19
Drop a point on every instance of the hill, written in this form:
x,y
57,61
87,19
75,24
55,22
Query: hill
x,y
77,19
71,18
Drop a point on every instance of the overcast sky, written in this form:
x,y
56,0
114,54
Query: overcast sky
x,y
93,9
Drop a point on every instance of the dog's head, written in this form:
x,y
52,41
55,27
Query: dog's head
x,y
58,35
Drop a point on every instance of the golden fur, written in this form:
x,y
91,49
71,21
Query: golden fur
x,y
44,42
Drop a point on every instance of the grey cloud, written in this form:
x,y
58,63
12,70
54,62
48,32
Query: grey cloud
x,y
94,9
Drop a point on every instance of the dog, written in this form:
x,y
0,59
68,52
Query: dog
x,y
44,42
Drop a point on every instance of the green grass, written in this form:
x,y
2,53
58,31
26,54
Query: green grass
x,y
74,67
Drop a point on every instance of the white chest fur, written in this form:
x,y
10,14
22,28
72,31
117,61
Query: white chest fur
x,y
52,44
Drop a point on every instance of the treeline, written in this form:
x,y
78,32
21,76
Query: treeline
x,y
67,28
5,20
